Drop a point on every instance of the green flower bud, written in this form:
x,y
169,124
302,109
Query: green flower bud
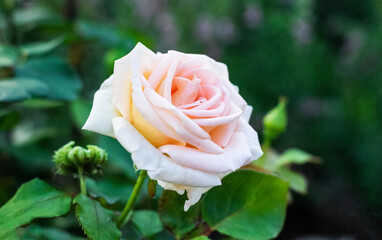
x,y
98,154
77,156
70,158
275,121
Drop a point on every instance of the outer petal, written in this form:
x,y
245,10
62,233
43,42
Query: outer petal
x,y
158,166
252,139
235,155
193,193
140,59
103,110
247,113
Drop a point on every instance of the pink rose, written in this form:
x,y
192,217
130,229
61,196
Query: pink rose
x,y
179,116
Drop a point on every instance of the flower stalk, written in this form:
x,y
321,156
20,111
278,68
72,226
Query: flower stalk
x,y
133,197
82,180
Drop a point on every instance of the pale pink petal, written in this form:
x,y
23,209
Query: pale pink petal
x,y
235,154
183,125
187,91
103,110
233,93
247,113
164,88
205,113
211,101
222,134
234,114
161,70
220,69
207,76
252,139
187,64
159,167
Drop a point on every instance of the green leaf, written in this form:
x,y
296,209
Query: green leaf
x,y
248,205
8,56
34,199
38,232
147,222
173,215
111,188
33,16
40,48
55,72
8,119
96,221
94,30
200,238
39,104
295,156
18,89
297,181
12,236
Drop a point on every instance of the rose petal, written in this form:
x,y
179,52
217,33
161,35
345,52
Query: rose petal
x,y
234,114
252,139
187,91
233,93
193,193
205,113
183,125
164,88
103,110
139,59
161,70
247,113
222,134
234,156
158,166
147,112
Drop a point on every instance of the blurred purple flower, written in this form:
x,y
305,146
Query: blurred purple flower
x,y
253,16
302,31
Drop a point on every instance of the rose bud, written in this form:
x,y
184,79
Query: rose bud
x,y
69,158
275,121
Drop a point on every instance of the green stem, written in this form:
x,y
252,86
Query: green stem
x,y
82,180
265,146
133,198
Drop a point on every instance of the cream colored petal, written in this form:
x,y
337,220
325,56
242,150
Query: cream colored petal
x,y
235,155
103,110
147,111
159,167
139,60
193,194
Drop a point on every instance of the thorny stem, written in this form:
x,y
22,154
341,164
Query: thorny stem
x,y
133,198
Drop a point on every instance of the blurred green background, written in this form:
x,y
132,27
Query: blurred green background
x,y
325,56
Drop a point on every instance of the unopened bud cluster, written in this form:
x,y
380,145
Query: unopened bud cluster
x,y
69,158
